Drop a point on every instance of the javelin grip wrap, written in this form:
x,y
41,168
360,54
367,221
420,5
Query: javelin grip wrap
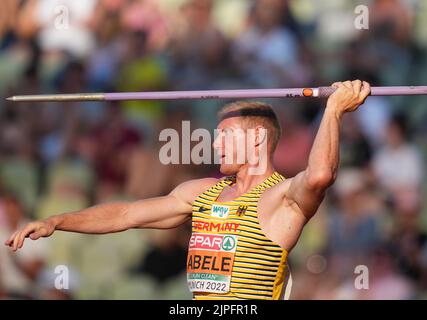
x,y
325,92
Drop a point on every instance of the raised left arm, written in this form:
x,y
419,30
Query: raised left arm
x,y
307,189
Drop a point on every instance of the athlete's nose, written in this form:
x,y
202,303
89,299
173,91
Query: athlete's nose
x,y
217,144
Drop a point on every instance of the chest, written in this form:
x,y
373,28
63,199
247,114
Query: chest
x,y
227,195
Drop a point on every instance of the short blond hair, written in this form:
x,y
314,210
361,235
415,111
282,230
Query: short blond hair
x,y
254,113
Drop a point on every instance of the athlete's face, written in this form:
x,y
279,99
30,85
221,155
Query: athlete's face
x,y
230,145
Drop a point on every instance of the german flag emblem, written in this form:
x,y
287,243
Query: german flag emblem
x,y
241,210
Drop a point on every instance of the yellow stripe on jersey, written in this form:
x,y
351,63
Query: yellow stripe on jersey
x,y
259,267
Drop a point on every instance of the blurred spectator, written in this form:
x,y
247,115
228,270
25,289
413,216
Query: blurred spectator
x,y
48,291
141,70
198,47
167,257
398,164
267,53
354,227
146,16
408,240
293,148
373,119
18,167
7,18
61,25
385,281
116,140
356,150
392,20
20,270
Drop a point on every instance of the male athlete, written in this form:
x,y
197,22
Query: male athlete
x,y
243,225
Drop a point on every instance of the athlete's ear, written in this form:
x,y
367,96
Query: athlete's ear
x,y
260,135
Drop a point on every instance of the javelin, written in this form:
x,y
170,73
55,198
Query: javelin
x,y
320,92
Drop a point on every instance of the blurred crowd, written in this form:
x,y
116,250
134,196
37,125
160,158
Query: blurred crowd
x,y
57,158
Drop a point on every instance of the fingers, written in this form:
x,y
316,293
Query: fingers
x,y
14,240
366,91
357,85
36,234
18,242
33,230
9,241
366,86
21,238
349,95
336,85
348,84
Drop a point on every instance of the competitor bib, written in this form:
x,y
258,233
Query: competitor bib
x,y
210,262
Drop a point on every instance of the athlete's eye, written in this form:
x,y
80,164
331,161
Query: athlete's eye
x,y
227,131
222,132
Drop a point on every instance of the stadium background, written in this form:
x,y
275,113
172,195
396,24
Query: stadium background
x,y
57,158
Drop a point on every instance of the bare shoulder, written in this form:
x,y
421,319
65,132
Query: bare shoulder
x,y
280,189
189,190
277,195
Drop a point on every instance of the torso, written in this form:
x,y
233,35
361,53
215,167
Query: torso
x,y
264,230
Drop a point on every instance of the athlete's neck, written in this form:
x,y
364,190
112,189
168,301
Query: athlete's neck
x,y
245,181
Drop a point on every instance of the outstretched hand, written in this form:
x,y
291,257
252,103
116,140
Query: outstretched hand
x,y
33,230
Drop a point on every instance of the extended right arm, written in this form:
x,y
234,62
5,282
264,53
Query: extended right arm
x,y
161,213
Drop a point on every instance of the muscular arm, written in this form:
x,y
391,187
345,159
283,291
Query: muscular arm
x,y
307,189
161,213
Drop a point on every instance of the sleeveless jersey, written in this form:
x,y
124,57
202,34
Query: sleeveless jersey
x,y
229,257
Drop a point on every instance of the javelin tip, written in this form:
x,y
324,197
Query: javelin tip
x,y
58,97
